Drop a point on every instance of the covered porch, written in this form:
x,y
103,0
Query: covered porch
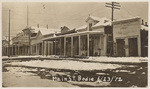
x,y
87,43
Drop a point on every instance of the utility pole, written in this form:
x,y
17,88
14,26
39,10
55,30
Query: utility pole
x,y
9,36
113,5
29,33
27,16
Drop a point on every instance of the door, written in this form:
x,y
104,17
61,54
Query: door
x,y
40,49
133,49
91,48
68,47
120,47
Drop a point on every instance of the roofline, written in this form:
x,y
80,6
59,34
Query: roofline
x,y
125,19
100,26
75,34
91,18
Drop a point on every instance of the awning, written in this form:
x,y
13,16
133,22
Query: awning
x,y
73,34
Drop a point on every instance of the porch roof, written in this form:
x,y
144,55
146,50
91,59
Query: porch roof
x,y
74,34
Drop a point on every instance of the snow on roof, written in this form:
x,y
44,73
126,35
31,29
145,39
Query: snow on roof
x,y
46,31
103,22
144,27
35,29
126,19
94,18
82,27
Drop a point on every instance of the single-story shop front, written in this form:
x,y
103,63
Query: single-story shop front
x,y
99,37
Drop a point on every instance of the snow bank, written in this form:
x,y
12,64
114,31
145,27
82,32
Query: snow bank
x,y
67,64
118,59
92,59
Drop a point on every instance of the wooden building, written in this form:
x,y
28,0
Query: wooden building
x,y
98,37
84,41
127,38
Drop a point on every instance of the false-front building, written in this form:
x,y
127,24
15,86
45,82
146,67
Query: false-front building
x,y
98,37
89,40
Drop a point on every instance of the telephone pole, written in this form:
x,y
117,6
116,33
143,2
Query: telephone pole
x,y
9,36
27,16
113,5
29,33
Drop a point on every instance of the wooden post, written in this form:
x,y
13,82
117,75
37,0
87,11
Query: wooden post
x,y
79,46
60,47
87,44
100,41
126,47
36,49
55,48
105,44
72,46
43,48
64,46
12,51
48,47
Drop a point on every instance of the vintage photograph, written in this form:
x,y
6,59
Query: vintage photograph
x,y
74,44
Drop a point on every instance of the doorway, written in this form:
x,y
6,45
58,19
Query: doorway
x,y
133,49
91,48
120,47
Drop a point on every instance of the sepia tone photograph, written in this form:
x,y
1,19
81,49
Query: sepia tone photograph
x,y
75,44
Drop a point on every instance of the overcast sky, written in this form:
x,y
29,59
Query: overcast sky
x,y
57,14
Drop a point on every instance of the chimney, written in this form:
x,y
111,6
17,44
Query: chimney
x,y
61,28
146,24
142,22
47,26
38,25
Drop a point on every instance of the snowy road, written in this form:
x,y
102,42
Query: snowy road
x,y
67,73
67,64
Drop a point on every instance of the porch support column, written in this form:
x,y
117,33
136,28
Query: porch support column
x,y
60,47
105,44
45,42
36,49
25,50
72,46
22,51
139,45
64,46
126,47
12,51
55,47
18,49
48,47
79,46
15,49
87,44
31,49
100,48
52,46
43,48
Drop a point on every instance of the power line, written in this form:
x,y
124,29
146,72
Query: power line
x,y
113,5
126,10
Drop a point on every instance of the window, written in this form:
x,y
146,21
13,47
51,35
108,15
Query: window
x,y
110,38
90,26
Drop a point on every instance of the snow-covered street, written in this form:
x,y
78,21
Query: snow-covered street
x,y
74,73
